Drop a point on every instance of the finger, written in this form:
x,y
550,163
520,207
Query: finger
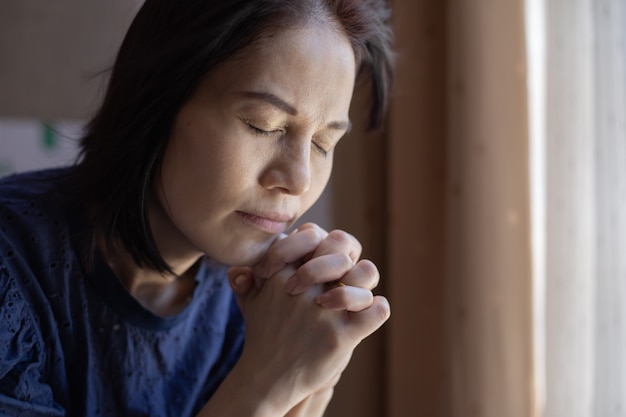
x,y
363,275
321,270
289,249
241,282
339,241
240,279
309,225
346,298
364,323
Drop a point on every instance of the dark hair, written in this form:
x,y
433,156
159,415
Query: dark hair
x,y
168,49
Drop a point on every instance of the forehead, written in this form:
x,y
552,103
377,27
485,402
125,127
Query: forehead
x,y
310,66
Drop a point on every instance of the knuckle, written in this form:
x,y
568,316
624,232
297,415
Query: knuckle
x,y
306,226
345,241
383,310
341,236
318,233
309,226
345,260
368,267
313,235
318,229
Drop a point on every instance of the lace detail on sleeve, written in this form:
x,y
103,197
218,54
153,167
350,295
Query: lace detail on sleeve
x,y
23,390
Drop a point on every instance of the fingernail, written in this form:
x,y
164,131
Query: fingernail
x,y
324,298
291,284
240,280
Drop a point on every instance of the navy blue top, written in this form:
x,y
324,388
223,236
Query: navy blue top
x,y
76,343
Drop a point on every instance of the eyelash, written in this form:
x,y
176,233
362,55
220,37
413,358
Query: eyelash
x,y
261,132
321,150
266,133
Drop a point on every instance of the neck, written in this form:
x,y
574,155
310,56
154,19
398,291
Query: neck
x,y
163,293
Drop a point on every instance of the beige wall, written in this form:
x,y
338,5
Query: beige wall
x,y
52,52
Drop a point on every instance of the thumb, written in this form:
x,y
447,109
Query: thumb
x,y
241,282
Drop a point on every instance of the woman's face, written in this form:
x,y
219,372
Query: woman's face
x,y
252,149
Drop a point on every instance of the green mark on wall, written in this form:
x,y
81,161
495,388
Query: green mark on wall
x,y
49,140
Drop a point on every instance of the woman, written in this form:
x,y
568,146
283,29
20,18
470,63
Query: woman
x,y
215,135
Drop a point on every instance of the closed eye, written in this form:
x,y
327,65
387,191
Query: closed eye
x,y
262,132
320,149
258,131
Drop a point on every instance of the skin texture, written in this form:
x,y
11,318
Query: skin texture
x,y
240,167
250,152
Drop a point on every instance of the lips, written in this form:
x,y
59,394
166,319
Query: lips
x,y
272,223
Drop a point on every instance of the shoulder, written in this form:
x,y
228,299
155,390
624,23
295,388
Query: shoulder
x,y
23,357
34,252
33,218
29,185
19,339
31,200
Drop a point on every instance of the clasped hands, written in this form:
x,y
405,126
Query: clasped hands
x,y
307,304
321,259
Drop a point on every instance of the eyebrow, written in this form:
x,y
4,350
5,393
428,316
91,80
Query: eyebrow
x,y
282,105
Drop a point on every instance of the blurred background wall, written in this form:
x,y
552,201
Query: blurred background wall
x,y
53,54
53,61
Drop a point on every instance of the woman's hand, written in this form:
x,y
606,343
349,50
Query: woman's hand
x,y
323,258
296,348
323,268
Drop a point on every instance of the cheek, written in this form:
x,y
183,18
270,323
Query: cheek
x,y
188,175
198,155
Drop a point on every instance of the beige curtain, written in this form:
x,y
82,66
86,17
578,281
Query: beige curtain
x,y
584,273
570,206
609,381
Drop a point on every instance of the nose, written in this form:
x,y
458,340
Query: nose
x,y
289,169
